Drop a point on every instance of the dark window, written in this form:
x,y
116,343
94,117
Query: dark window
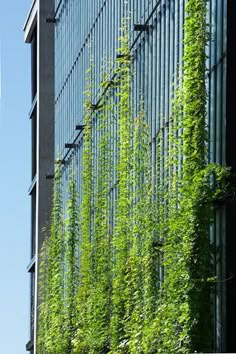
x,y
34,64
34,143
33,221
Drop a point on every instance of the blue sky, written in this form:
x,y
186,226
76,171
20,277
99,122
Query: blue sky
x,y
14,178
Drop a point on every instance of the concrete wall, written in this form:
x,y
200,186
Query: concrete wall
x,y
39,11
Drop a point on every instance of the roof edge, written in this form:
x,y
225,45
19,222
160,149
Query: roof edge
x,y
30,22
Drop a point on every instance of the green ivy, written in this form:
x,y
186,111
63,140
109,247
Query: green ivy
x,y
59,274
43,320
122,228
84,297
51,313
141,265
183,322
100,316
135,274
71,260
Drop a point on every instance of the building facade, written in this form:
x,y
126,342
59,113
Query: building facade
x,y
85,37
41,40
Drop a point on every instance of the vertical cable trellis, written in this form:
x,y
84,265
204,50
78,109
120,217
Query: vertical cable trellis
x,y
156,64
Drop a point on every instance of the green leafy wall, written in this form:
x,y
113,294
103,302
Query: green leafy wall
x,y
135,274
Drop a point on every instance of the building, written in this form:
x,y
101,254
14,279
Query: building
x,y
41,40
86,38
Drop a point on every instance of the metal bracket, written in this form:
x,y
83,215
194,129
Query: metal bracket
x,y
51,20
61,162
50,176
141,28
29,345
112,83
120,56
31,266
95,106
70,146
80,127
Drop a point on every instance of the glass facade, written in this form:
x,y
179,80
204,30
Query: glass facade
x,y
89,30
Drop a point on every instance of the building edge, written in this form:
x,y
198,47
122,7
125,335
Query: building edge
x,y
40,35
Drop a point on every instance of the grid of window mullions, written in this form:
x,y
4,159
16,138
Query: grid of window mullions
x,y
157,57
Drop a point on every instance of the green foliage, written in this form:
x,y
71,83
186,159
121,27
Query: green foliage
x,y
101,244
84,304
51,311
43,323
122,226
54,341
95,262
71,260
58,274
133,273
183,321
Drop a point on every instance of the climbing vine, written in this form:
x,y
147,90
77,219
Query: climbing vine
x,y
141,265
51,312
131,270
43,323
84,305
58,274
183,315
122,228
55,341
99,328
71,277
